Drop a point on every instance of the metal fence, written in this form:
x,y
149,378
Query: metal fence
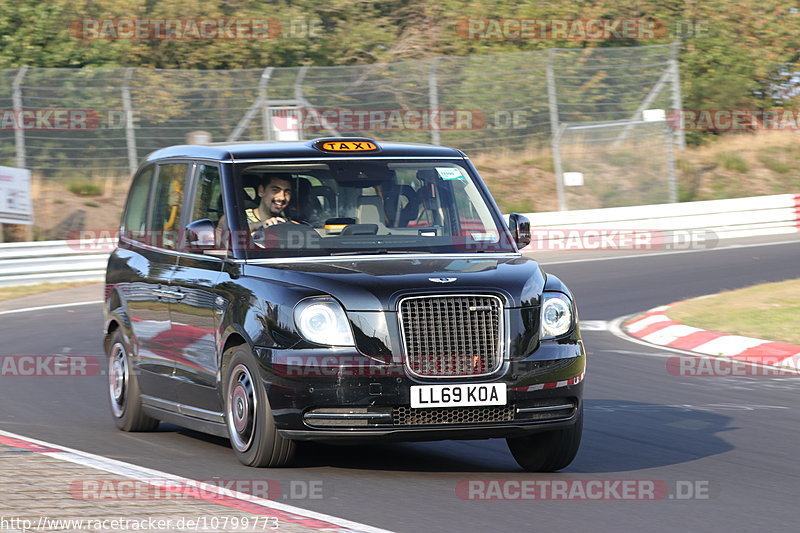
x,y
99,122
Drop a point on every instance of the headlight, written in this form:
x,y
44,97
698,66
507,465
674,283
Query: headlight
x,y
322,320
556,314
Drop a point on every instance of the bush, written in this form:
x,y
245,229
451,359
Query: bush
x,y
84,188
733,162
775,164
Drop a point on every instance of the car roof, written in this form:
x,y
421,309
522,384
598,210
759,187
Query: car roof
x,y
296,149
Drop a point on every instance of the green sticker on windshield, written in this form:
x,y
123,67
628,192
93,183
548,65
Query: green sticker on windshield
x,y
450,173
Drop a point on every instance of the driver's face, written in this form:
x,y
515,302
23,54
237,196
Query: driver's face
x,y
275,195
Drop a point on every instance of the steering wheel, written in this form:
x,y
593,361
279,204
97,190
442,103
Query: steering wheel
x,y
270,236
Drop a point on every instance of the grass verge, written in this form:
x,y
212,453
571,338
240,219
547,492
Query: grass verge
x,y
770,311
8,293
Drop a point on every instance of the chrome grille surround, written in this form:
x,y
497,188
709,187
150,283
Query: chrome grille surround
x,y
452,335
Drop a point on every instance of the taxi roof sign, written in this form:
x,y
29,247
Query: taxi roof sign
x,y
346,145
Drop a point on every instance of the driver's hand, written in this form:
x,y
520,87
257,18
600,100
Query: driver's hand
x,y
273,221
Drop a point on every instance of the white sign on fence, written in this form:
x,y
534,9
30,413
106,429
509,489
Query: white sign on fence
x,y
15,196
654,115
573,179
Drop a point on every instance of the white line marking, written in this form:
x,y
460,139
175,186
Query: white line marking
x,y
628,352
146,474
791,362
593,325
675,252
681,407
43,307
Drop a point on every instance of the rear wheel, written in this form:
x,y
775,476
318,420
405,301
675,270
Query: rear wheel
x,y
549,451
123,389
251,427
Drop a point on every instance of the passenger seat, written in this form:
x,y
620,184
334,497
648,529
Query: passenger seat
x,y
369,210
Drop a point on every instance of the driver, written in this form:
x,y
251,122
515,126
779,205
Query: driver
x,y
275,194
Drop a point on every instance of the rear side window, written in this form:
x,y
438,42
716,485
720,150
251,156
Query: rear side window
x,y
135,223
208,195
167,201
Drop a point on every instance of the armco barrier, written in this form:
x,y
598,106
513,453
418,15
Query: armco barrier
x,y
27,263
738,217
35,262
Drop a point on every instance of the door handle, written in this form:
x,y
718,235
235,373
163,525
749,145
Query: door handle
x,y
170,294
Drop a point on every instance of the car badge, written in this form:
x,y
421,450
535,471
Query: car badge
x,y
442,280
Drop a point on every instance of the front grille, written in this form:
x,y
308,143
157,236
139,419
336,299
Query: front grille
x,y
452,336
408,416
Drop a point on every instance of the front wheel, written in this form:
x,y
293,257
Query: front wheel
x,y
123,389
251,427
549,451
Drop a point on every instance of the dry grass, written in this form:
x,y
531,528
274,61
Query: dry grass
x,y
520,182
56,206
8,293
770,311
737,165
731,166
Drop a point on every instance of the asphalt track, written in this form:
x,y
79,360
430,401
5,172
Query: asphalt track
x,y
733,441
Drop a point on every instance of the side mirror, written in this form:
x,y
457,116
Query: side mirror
x,y
199,235
520,228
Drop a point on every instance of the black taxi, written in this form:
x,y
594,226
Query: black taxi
x,y
336,290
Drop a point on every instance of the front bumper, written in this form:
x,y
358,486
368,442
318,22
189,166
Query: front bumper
x,y
337,395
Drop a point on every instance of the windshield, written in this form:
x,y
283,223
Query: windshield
x,y
364,207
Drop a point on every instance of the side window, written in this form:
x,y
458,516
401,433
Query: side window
x,y
167,203
135,222
208,196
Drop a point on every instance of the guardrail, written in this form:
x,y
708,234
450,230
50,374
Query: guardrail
x,y
56,261
27,263
722,219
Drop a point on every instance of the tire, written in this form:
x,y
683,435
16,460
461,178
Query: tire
x,y
550,451
251,427
124,396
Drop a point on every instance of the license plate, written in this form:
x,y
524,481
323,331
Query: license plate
x,y
461,395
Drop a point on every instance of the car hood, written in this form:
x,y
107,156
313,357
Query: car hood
x,y
375,283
